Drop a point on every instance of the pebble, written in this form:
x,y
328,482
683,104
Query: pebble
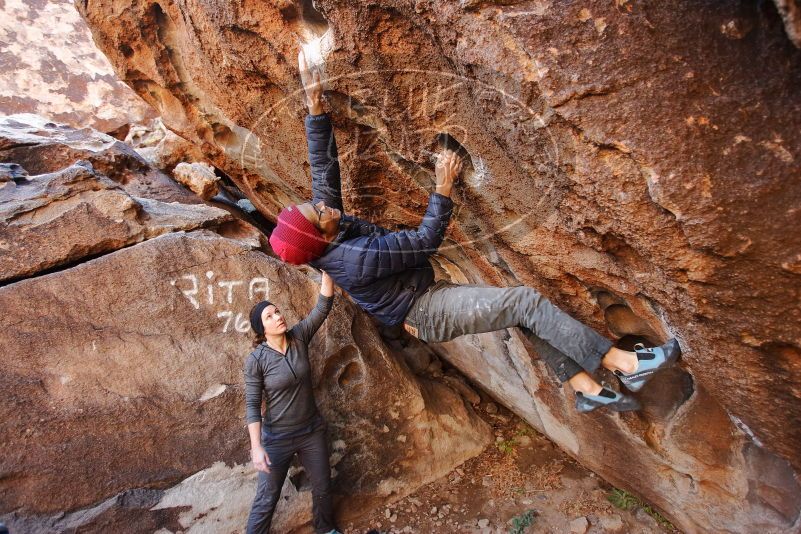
x,y
643,517
612,523
483,523
579,525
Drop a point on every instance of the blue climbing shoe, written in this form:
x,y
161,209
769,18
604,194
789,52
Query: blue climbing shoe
x,y
650,361
609,398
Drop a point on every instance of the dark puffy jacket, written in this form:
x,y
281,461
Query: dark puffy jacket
x,y
382,271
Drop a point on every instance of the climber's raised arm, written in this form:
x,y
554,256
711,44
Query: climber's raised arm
x,y
323,157
377,256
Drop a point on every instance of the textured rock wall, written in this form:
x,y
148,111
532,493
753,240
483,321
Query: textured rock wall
x,y
636,162
51,67
125,330
790,11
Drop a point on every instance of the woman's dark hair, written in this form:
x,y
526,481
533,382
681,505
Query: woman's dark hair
x,y
255,321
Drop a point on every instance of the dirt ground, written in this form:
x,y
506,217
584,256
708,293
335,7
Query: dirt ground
x,y
521,484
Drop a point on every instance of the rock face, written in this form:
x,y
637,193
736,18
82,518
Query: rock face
x,y
51,67
39,146
123,394
638,163
790,11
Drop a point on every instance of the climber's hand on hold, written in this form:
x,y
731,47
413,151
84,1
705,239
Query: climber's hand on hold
x,y
312,86
260,459
448,167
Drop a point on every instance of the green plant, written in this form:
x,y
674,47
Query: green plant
x,y
521,522
506,446
524,430
662,520
626,501
622,499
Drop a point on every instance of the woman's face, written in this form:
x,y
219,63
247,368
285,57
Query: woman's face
x,y
273,321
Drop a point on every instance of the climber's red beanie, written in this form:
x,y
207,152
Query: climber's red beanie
x,y
295,239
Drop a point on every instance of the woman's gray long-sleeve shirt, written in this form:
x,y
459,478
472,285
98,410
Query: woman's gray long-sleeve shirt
x,y
285,380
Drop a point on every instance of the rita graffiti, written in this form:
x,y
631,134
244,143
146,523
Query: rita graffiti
x,y
219,294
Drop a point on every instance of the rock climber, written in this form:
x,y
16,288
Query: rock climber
x,y
388,274
278,370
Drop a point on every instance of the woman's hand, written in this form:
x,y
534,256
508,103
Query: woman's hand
x,y
448,167
260,459
326,285
311,85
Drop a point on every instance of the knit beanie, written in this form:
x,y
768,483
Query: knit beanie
x,y
255,316
295,239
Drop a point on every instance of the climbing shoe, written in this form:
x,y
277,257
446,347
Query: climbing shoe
x,y
649,361
608,398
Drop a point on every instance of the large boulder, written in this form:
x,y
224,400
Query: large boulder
x,y
123,346
39,146
77,211
125,372
51,67
636,162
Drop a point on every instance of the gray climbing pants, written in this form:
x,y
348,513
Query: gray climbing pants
x,y
449,310
313,452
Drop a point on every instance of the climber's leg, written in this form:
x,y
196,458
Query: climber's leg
x,y
313,452
448,310
589,393
563,367
269,487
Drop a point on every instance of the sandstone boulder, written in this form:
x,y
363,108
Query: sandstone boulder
x,y
54,219
635,162
51,67
40,146
161,147
124,372
125,334
197,177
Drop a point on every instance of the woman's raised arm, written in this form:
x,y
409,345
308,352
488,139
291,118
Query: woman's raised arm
x,y
306,328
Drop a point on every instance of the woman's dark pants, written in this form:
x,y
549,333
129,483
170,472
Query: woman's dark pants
x,y
449,310
313,452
